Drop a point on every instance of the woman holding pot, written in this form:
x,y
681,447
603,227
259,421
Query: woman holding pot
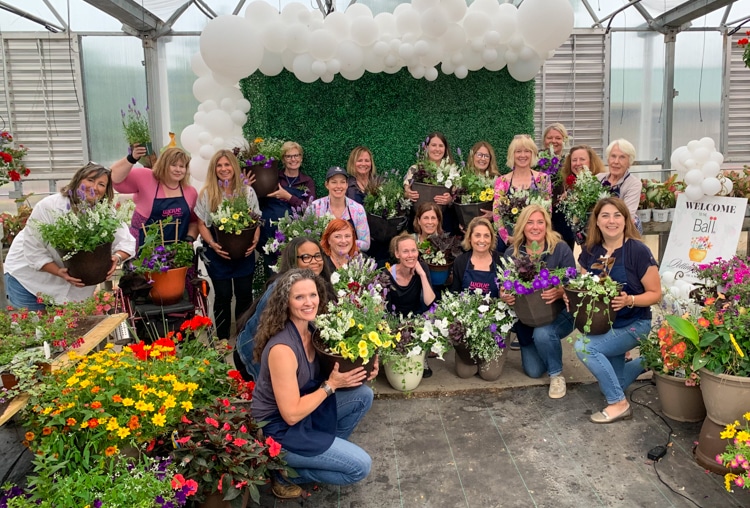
x,y
428,221
229,277
476,268
436,149
338,244
159,193
34,267
295,190
310,415
612,234
541,349
341,207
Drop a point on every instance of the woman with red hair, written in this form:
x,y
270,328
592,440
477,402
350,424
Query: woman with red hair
x,y
338,243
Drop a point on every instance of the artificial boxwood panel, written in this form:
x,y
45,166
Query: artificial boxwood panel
x,y
389,113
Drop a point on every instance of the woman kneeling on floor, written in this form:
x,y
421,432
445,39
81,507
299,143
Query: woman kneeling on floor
x,y
311,416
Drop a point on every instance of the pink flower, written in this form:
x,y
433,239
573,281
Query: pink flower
x,y
718,459
178,481
239,441
226,426
212,422
228,437
274,448
243,428
192,486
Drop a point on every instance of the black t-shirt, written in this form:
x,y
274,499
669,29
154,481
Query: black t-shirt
x,y
405,299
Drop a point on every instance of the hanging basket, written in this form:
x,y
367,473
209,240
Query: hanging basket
x,y
266,178
439,273
328,359
383,230
602,315
168,287
428,192
91,267
533,311
470,210
235,245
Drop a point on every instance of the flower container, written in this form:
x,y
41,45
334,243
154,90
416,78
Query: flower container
x,y
439,273
383,230
236,245
726,397
670,217
679,402
44,367
167,287
661,215
146,159
470,210
492,370
644,215
403,373
466,365
216,500
91,267
697,255
427,193
533,311
601,314
328,359
9,380
710,444
266,178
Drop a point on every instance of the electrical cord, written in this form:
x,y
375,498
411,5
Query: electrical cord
x,y
666,445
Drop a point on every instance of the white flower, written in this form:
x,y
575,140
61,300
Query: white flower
x,y
595,278
335,277
483,309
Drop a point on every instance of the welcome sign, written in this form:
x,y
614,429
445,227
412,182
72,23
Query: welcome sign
x,y
701,232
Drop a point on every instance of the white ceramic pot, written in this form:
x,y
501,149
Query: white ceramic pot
x,y
405,374
644,215
671,214
661,215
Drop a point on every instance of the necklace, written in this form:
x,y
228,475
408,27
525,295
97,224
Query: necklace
x,y
171,188
291,180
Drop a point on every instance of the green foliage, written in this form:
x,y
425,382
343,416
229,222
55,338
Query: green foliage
x,y
159,254
135,125
390,113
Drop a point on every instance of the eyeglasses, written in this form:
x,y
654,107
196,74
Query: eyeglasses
x,y
483,155
307,258
294,156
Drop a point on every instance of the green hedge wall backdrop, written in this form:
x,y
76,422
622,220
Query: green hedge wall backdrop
x,y
389,113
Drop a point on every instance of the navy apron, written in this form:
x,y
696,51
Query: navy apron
x,y
176,207
486,281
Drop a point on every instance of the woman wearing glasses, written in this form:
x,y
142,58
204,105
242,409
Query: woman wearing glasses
x,y
300,252
295,189
482,160
33,267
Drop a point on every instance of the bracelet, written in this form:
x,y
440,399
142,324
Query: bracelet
x,y
189,238
119,258
131,159
632,302
327,389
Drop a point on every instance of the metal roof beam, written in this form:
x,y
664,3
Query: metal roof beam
x,y
687,12
130,13
23,14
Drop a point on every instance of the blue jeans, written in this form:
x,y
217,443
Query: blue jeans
x,y
545,353
604,355
344,462
20,297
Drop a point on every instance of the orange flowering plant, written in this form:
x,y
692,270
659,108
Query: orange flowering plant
x,y
665,350
114,399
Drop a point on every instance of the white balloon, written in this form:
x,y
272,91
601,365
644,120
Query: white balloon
x,y
209,105
457,58
291,13
227,105
204,138
190,137
200,116
423,5
333,66
461,72
710,169
199,66
380,49
694,177
287,59
674,291
431,74
272,64
511,56
327,77
352,74
476,23
203,87
711,186
707,143
218,122
421,47
243,105
297,38
726,186
447,67
322,44
691,164
668,277
386,23
303,68
692,145
238,117
260,13
527,53
391,61
417,72
516,42
351,57
454,38
701,154
198,169
373,63
358,10
694,192
364,30
274,36
679,156
472,59
434,22
206,151
454,9
224,80
489,55
407,20
477,44
218,143
491,38
505,22
717,157
525,69
484,6
406,51
230,46
339,24
435,52
499,62
544,24
319,68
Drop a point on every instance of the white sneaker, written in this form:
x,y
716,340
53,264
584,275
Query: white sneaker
x,y
557,387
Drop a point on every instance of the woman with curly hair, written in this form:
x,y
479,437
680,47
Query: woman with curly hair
x,y
306,412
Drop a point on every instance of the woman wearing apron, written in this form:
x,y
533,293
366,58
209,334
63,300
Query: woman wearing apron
x,y
338,244
306,411
541,349
613,234
159,194
476,268
229,277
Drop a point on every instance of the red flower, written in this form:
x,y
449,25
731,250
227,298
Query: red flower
x,y
178,481
26,171
239,441
8,158
274,448
14,175
184,419
167,345
741,42
235,374
192,486
228,437
140,350
570,181
196,323
212,422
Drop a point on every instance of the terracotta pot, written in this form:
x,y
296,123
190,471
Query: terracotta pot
x,y
428,192
532,311
235,245
9,380
602,314
468,211
439,273
91,267
679,402
726,397
408,375
382,230
328,359
44,367
168,287
266,178
216,500
710,444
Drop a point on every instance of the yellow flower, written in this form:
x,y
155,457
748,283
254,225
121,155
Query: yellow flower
x,y
361,326
127,401
363,351
159,419
112,424
141,406
72,380
170,402
186,405
514,211
352,322
482,196
375,339
743,436
169,378
736,346
747,416
85,424
224,220
258,140
729,431
48,410
728,479
123,432
236,216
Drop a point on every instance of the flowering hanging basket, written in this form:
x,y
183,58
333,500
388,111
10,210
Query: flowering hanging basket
x,y
470,210
601,314
168,287
91,267
236,245
427,192
533,311
266,177
382,230
328,359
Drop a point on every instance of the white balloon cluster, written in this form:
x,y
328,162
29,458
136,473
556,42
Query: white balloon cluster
x,y
676,291
218,121
421,36
698,164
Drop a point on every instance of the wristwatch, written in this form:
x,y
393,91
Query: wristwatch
x,y
327,389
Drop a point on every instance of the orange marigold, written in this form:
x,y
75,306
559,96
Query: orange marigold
x,y
29,436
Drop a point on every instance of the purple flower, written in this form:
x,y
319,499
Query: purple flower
x,y
537,284
164,269
458,151
571,273
279,236
508,285
544,273
500,341
554,280
98,503
493,327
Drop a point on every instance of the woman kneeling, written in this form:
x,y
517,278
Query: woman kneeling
x,y
308,414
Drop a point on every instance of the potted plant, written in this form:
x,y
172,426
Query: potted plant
x,y
164,262
235,225
590,297
222,449
293,225
526,277
743,42
84,235
261,158
508,204
477,328
663,196
730,277
386,207
12,168
740,185
135,127
12,224
474,193
431,179
645,205
736,453
549,163
439,251
580,199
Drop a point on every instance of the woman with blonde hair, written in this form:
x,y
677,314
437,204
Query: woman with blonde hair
x,y
229,277
362,174
554,139
541,348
